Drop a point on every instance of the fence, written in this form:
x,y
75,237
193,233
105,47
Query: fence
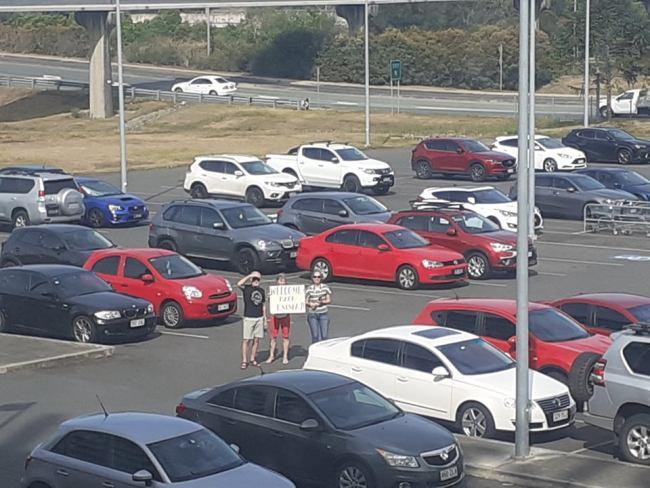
x,y
621,217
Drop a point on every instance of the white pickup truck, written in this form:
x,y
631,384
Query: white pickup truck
x,y
330,165
631,102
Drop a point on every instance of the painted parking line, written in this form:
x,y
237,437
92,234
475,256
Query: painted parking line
x,y
499,285
594,246
385,292
591,448
575,261
183,334
547,273
346,307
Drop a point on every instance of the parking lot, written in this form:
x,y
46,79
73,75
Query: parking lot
x,y
154,374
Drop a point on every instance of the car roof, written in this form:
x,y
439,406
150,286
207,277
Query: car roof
x,y
459,188
442,209
301,380
51,270
515,136
424,335
373,227
55,228
603,170
490,304
238,158
215,203
141,252
144,428
337,195
83,179
330,145
456,139
625,300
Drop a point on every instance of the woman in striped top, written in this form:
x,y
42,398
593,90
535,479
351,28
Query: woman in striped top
x,y
317,297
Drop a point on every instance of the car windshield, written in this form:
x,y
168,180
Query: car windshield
x,y
363,205
194,455
82,283
476,356
353,406
240,217
405,239
550,143
641,312
351,154
631,178
98,188
86,240
473,223
621,134
175,267
258,168
475,146
551,325
586,183
491,195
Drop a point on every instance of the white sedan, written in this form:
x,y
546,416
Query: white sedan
x,y
206,85
445,374
550,154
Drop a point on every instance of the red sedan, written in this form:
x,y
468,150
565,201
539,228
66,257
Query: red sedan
x,y
604,313
380,252
178,289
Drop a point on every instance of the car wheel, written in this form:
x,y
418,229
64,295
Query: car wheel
x,y
199,191
352,475
477,172
323,267
624,156
95,218
19,219
83,329
478,266
4,325
171,315
549,165
255,196
634,439
178,90
423,169
407,278
380,189
352,184
603,112
586,211
247,261
168,245
474,420
213,92
579,382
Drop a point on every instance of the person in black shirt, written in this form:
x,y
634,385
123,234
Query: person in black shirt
x,y
254,316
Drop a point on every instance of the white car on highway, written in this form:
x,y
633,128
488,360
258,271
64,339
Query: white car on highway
x,y
206,85
241,177
486,200
550,154
445,374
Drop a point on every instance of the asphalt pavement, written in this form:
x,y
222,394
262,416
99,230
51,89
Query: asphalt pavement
x,y
154,374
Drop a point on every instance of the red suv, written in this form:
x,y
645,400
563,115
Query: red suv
x,y
178,289
559,346
604,313
454,156
485,246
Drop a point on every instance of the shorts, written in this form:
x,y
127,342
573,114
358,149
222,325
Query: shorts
x,y
253,328
278,323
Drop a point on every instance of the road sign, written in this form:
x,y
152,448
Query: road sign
x,y
395,70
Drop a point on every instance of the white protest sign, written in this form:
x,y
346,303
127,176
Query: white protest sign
x,y
286,299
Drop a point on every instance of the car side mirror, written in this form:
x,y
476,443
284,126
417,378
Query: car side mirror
x,y
440,373
143,476
310,425
59,248
460,150
235,448
383,247
571,189
617,184
471,200
218,225
452,232
334,159
512,344
147,278
343,213
239,174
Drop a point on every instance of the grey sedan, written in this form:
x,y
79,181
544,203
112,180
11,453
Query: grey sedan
x,y
137,450
313,213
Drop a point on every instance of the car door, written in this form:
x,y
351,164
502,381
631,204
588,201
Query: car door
x,y
334,214
311,166
129,280
186,225
53,250
211,174
622,105
369,255
455,161
6,206
14,286
107,269
436,153
544,193
309,215
605,147
49,313
465,320
235,179
200,85
80,459
375,362
585,141
27,247
330,169
342,251
126,458
214,238
497,330
566,201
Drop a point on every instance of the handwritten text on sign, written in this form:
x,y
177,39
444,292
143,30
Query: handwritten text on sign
x,y
286,299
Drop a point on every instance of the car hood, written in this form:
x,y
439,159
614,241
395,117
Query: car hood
x,y
502,236
406,434
369,164
77,258
504,383
433,251
124,199
574,153
269,232
243,476
594,343
207,282
107,300
642,189
496,155
606,193
278,178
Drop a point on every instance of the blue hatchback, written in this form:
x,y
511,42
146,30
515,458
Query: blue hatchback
x,y
107,205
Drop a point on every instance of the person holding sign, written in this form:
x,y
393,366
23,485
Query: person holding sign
x,y
283,322
254,316
317,297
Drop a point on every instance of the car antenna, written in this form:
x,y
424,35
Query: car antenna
x,y
103,407
259,366
456,295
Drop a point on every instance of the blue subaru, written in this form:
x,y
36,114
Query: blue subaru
x,y
107,205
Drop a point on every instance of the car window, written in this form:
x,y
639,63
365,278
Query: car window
x,y
209,217
381,350
311,152
601,136
357,348
173,213
369,239
255,399
245,216
509,143
451,146
418,358
606,318
637,357
579,311
439,224
414,222
134,269
461,320
441,195
212,166
586,134
606,179
201,81
190,215
224,398
459,196
476,356
128,457
562,183
544,181
55,186
435,145
291,408
107,265
230,168
91,447
332,207
327,155
50,241
14,281
497,327
308,205
16,185
346,236
32,237
551,325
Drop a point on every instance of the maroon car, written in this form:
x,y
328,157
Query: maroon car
x,y
484,244
458,156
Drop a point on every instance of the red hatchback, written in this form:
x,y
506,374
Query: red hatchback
x,y
380,252
458,156
557,342
604,313
484,244
179,290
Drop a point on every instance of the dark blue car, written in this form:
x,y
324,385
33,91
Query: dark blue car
x,y
621,179
107,205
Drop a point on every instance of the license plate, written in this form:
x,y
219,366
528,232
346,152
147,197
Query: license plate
x,y
137,323
559,416
459,271
293,254
510,170
385,179
137,216
449,473
223,306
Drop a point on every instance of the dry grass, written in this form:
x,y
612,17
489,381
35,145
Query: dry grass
x,y
572,85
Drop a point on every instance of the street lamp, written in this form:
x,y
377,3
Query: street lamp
x,y
367,71
120,92
586,90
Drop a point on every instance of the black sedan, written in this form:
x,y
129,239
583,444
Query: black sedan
x,y
621,179
68,302
609,145
322,428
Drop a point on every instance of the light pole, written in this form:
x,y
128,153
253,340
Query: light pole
x,y
120,94
531,127
367,70
585,121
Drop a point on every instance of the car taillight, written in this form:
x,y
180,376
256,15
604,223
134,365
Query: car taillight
x,y
277,215
41,194
419,199
180,409
151,227
598,373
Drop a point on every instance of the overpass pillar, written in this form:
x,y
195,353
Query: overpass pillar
x,y
100,89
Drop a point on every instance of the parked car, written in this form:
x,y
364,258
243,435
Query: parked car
x,y
486,201
325,429
458,156
621,179
52,244
240,177
559,346
33,169
107,205
486,247
605,313
621,393
550,154
567,195
630,102
28,197
355,251
219,230
206,85
72,303
444,374
140,449
609,145
330,165
313,213
179,290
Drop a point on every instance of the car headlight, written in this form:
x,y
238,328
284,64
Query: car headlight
x,y
608,201
491,161
399,460
370,171
149,309
430,264
264,245
108,315
498,247
564,155
228,285
507,213
115,208
272,183
192,292
509,402
639,146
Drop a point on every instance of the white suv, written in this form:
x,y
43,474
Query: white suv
x,y
550,154
241,177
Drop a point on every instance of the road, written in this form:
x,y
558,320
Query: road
x,y
154,374
343,97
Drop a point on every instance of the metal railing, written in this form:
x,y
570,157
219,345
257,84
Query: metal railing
x,y
621,217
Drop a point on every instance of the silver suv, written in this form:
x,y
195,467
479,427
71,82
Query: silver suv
x,y
621,398
39,198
